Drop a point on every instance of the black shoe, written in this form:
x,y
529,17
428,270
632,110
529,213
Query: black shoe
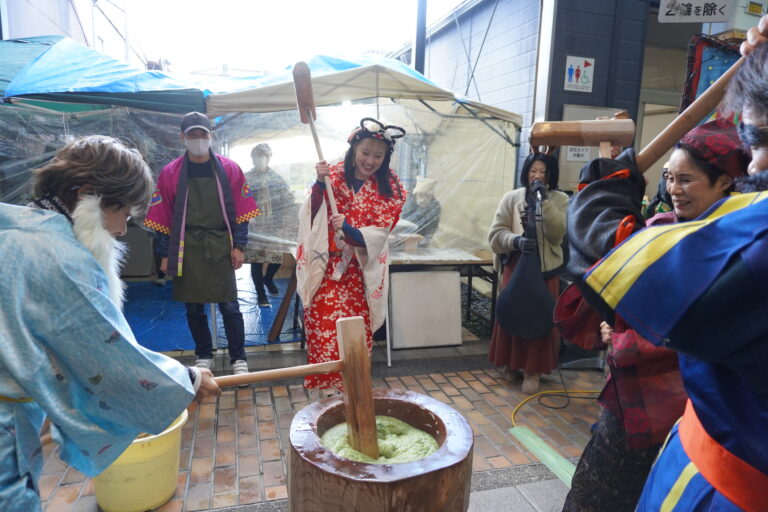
x,y
263,301
271,287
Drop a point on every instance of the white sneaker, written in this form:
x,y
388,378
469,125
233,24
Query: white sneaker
x,y
239,367
204,363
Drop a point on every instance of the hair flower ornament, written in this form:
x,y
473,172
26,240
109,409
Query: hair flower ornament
x,y
372,125
370,128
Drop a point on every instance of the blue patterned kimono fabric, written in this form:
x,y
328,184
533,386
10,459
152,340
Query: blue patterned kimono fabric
x,y
68,354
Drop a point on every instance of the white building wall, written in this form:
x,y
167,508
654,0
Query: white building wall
x,y
100,25
505,71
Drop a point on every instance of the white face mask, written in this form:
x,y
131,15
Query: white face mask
x,y
198,147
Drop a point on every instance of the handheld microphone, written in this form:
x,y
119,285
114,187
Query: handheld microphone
x,y
537,186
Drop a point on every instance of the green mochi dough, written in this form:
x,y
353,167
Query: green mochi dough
x,y
398,442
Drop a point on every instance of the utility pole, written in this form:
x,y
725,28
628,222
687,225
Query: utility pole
x,y
93,25
419,42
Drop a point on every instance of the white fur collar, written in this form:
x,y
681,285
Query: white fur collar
x,y
110,253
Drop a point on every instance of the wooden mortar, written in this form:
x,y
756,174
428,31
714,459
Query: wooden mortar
x,y
320,481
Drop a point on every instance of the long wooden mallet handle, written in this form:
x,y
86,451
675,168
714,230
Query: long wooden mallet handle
x,y
244,379
305,102
227,381
687,120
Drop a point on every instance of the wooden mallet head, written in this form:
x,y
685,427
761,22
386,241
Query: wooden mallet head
x,y
305,99
619,132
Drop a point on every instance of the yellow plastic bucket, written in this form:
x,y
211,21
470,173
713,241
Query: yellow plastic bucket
x,y
145,475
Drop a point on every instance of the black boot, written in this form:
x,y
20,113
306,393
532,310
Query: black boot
x,y
258,283
269,282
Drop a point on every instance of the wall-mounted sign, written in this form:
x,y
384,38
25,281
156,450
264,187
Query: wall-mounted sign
x,y
755,8
579,72
695,11
577,154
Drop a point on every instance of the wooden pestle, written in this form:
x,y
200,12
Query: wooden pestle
x,y
358,390
355,368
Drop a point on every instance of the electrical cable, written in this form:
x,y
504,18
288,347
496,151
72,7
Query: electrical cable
x,y
553,393
564,393
480,51
466,53
122,36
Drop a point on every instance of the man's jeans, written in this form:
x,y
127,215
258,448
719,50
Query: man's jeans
x,y
233,327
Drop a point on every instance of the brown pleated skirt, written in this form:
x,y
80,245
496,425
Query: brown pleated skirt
x,y
531,355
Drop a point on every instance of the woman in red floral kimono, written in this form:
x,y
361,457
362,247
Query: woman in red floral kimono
x,y
354,281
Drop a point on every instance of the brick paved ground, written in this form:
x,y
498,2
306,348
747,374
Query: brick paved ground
x,y
234,449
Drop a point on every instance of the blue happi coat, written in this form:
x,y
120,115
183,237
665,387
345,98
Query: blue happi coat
x,y
714,312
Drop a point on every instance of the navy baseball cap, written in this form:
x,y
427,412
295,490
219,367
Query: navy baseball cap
x,y
195,120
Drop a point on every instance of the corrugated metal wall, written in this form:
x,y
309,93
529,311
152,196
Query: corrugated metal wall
x,y
499,40
613,33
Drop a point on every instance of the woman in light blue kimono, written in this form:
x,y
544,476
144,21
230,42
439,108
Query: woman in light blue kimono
x,y
68,353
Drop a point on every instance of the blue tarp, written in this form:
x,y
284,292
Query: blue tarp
x,y
159,323
59,69
323,65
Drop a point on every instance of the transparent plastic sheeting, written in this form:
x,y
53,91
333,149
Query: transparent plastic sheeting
x,y
471,158
29,138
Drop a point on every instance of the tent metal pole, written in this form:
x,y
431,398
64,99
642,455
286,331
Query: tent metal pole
x,y
495,130
378,114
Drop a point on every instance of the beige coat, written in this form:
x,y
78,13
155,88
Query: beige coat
x,y
507,225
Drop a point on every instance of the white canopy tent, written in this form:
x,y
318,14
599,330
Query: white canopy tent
x,y
335,81
468,148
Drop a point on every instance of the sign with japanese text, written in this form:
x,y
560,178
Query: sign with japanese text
x,y
695,11
577,154
579,72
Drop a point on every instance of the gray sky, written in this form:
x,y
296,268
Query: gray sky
x,y
270,34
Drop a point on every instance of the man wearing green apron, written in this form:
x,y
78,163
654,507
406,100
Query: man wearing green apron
x,y
200,212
